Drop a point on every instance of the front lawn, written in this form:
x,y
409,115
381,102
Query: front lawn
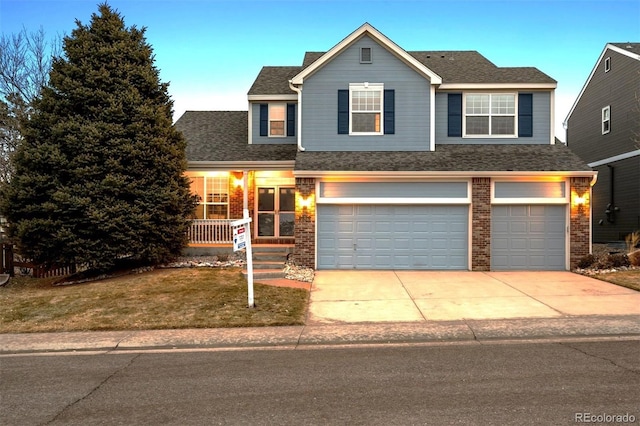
x,y
159,299
629,278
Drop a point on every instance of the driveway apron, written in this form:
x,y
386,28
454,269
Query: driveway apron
x,y
414,296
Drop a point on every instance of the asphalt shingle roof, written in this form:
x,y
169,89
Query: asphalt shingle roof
x,y
222,136
463,66
448,158
631,47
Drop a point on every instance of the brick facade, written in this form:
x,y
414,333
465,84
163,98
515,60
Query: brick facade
x,y
481,224
235,195
305,225
579,227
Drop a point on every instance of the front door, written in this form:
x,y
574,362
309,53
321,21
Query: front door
x,y
276,211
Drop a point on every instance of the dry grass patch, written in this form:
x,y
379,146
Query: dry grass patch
x,y
160,299
629,279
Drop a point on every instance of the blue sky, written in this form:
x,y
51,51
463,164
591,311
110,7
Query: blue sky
x,y
211,50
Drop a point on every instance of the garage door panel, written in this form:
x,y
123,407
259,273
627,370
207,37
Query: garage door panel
x,y
400,236
532,242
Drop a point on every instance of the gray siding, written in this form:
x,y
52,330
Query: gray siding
x,y
541,123
626,196
393,189
617,88
255,128
320,100
529,189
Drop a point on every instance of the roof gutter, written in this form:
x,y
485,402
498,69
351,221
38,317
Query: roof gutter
x,y
298,90
441,174
240,165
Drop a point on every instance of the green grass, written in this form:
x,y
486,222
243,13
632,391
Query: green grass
x,y
160,299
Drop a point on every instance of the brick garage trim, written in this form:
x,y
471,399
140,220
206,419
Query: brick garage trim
x,y
304,253
580,220
480,224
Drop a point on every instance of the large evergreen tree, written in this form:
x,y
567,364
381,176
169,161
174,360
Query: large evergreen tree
x,y
100,174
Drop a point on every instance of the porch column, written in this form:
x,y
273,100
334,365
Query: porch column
x,y
580,221
305,222
481,224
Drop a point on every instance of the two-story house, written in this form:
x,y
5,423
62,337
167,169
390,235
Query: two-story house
x,y
371,157
603,128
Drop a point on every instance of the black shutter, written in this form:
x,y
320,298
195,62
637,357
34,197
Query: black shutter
x,y
525,115
389,112
343,112
454,127
291,119
264,120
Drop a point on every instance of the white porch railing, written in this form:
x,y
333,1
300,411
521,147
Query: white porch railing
x,y
211,231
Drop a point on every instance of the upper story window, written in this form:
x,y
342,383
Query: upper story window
x,y
606,120
277,120
277,114
366,106
607,64
490,114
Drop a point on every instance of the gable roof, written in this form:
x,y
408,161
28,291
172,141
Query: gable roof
x,y
367,30
459,68
631,50
221,136
527,159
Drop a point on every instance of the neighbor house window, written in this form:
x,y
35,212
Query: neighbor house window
x,y
277,115
606,119
213,192
607,64
491,114
366,106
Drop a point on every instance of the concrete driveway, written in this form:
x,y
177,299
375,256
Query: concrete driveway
x,y
406,296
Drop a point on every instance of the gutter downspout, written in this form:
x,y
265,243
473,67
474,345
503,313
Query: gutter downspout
x,y
299,118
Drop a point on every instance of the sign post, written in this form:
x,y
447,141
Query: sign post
x,y
242,240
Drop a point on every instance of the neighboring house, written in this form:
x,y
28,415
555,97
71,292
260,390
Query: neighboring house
x,y
371,157
603,128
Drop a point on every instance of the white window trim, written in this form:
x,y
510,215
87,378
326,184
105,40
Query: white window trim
x,y
607,64
515,116
284,127
362,87
608,120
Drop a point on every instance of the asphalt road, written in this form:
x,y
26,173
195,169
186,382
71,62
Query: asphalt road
x,y
487,384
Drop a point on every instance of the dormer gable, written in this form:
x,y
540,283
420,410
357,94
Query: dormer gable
x,y
365,30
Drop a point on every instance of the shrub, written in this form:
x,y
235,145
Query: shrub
x,y
633,241
616,260
586,261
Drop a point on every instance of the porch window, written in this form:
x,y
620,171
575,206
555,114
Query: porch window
x,y
214,196
490,114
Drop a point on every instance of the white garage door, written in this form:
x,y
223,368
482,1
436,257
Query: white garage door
x,y
392,237
528,237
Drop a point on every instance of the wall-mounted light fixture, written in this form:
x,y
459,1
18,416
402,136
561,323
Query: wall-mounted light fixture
x,y
238,183
580,201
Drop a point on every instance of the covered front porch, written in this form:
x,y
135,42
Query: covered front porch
x,y
268,197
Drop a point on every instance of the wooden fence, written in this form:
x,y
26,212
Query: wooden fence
x,y
10,262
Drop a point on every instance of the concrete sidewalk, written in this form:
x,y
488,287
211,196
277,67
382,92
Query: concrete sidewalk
x,y
381,307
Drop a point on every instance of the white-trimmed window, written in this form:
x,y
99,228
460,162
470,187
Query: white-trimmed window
x,y
214,196
366,107
607,64
277,118
490,114
606,119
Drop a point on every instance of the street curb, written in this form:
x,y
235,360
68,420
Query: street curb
x,y
325,335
